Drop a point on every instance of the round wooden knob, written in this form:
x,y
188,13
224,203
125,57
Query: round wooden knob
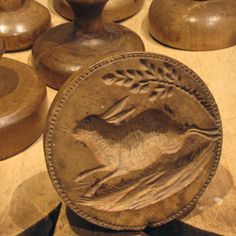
x,y
194,24
23,107
64,49
21,22
133,141
115,10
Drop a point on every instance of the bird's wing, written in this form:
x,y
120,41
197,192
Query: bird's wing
x,y
117,113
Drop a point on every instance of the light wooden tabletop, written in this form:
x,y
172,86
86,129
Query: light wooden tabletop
x,y
27,195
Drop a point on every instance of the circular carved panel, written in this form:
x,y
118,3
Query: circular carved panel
x,y
133,141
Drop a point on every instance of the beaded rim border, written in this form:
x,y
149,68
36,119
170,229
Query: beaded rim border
x,y
72,84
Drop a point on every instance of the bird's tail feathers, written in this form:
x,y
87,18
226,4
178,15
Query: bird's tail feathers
x,y
213,134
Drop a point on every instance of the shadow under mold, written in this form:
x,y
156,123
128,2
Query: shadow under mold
x,y
32,202
82,227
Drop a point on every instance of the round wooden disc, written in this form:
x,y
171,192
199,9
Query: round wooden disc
x,y
193,25
133,141
23,107
59,52
19,28
115,10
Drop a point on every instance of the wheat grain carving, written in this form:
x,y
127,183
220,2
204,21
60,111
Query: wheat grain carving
x,y
150,79
159,82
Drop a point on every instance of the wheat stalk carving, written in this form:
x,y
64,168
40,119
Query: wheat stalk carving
x,y
158,82
150,79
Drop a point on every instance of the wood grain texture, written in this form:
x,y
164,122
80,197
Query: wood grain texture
x,y
21,22
216,209
193,24
115,10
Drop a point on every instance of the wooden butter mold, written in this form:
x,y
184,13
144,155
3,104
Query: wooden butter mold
x,y
66,48
23,107
21,22
133,141
196,25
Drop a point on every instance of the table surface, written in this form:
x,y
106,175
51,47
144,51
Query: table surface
x,y
26,187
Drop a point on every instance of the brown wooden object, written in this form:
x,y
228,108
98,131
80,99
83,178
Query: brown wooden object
x,y
115,10
194,24
23,107
64,49
21,22
133,141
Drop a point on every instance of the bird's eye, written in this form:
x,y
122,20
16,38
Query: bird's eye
x,y
88,120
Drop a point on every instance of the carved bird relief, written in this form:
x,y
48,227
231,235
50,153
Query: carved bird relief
x,y
121,147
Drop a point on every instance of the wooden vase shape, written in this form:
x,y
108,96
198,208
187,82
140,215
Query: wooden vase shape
x,y
64,49
194,24
23,106
115,10
21,22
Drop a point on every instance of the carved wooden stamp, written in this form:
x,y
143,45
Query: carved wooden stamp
x,y
133,141
64,49
115,10
193,24
21,22
23,106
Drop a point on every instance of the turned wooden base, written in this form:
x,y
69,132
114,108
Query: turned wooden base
x,y
59,52
193,24
65,49
21,26
23,107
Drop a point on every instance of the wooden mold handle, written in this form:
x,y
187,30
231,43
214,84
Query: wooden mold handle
x,y
8,5
88,14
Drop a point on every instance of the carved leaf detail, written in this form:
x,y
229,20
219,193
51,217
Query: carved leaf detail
x,y
144,88
128,82
119,82
153,97
109,79
135,88
120,73
170,91
150,79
